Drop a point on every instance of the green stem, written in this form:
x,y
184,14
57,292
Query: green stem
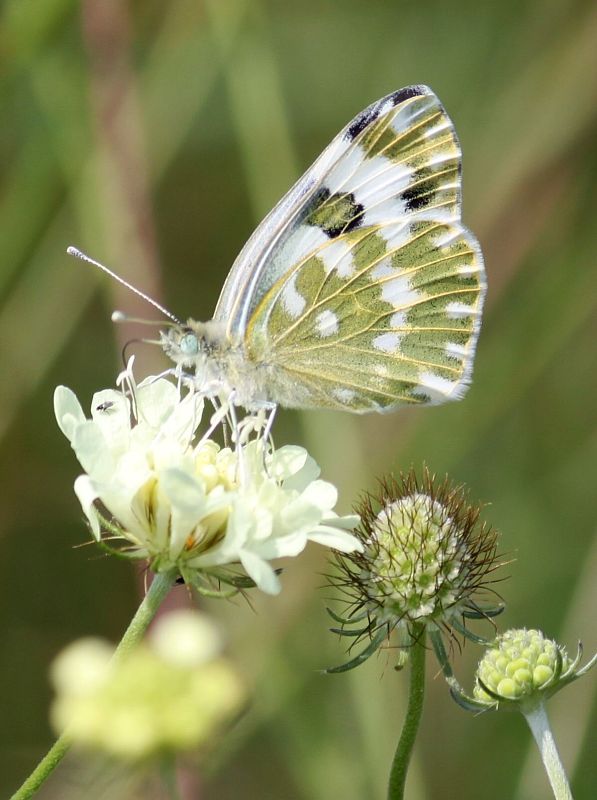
x,y
156,593
539,725
169,778
416,693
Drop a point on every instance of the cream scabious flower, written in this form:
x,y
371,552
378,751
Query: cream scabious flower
x,y
170,693
181,501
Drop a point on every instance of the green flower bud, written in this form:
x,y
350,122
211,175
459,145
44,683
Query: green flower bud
x,y
520,664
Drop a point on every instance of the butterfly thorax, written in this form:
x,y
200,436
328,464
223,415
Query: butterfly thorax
x,y
217,364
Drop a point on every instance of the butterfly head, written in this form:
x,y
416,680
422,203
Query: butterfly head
x,y
193,343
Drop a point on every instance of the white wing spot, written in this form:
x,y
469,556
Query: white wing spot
x,y
387,342
379,179
398,320
294,302
337,255
468,269
383,269
407,113
439,389
460,310
456,351
344,395
397,236
442,126
398,292
327,323
445,215
438,159
301,241
447,237
381,212
387,106
341,176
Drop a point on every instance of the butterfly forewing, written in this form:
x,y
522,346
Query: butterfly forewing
x,y
382,153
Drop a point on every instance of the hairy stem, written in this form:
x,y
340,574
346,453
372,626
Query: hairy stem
x,y
416,693
539,725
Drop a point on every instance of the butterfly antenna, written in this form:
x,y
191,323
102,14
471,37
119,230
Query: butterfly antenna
x,y
120,316
73,251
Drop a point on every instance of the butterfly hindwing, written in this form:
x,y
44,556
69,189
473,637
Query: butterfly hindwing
x,y
382,316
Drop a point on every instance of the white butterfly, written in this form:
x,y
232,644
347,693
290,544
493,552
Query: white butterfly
x,y
361,290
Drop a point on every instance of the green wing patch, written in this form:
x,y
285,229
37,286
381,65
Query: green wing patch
x,y
377,317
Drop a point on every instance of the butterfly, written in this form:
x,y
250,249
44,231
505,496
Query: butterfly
x,y
361,290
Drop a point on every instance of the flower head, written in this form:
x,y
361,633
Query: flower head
x,y
170,694
425,561
179,500
519,663
521,669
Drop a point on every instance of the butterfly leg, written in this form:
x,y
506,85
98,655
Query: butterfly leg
x,y
220,415
235,436
267,430
267,438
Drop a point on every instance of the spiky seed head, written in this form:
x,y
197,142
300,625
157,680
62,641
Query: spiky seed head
x,y
426,558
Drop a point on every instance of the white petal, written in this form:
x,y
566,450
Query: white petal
x,y
309,472
68,411
348,522
110,410
188,502
132,471
287,461
156,399
169,453
282,546
184,491
249,521
300,515
93,452
261,572
86,493
337,540
322,494
248,526
185,418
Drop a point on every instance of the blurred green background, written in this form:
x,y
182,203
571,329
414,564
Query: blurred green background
x,y
155,136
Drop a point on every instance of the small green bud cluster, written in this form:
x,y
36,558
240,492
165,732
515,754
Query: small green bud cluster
x,y
519,664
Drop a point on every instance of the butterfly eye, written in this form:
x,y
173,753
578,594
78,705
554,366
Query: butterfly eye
x,y
189,344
